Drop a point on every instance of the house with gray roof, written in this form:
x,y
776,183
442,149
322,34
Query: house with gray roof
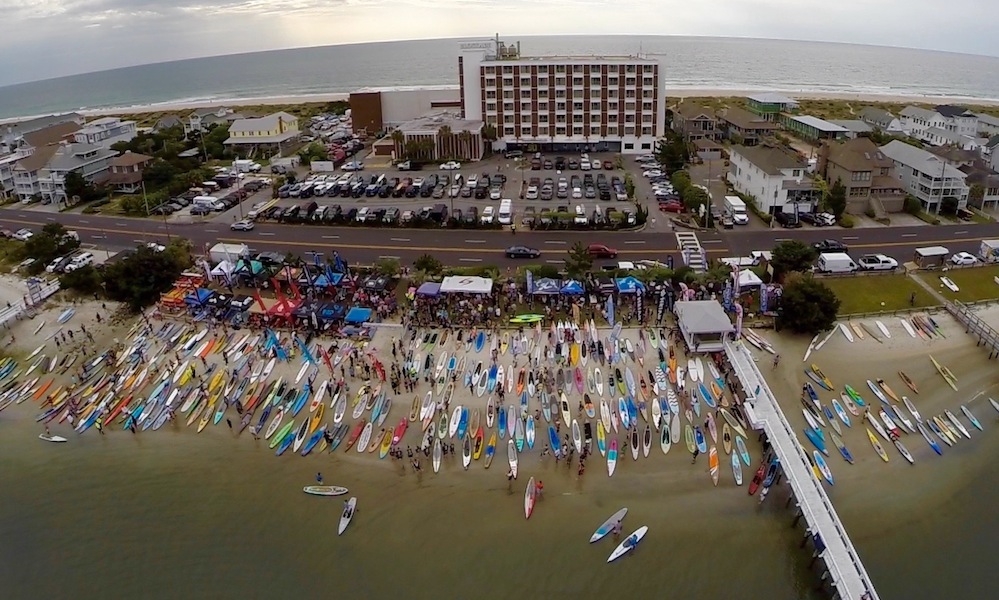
x,y
981,174
201,119
167,122
882,120
23,182
743,127
11,133
988,125
776,177
926,176
89,160
867,175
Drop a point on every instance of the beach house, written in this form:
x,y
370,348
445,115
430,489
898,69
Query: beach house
x,y
925,176
695,122
945,125
980,175
812,128
274,131
775,177
91,161
105,131
125,171
769,106
867,174
28,153
882,120
743,127
203,118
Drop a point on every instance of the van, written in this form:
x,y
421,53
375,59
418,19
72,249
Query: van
x,y
835,262
505,215
513,154
737,208
80,261
209,201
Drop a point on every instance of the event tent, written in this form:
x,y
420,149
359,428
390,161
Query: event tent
x,y
546,286
358,314
571,287
748,279
629,285
198,297
466,285
332,311
429,289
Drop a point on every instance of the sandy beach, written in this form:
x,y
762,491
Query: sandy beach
x,y
234,487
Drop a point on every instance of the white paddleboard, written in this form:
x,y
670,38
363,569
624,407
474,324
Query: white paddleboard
x,y
846,332
883,329
628,544
608,525
908,327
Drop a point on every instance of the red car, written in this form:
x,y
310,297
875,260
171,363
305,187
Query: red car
x,y
671,206
601,251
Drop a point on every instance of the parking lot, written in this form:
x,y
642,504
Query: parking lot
x,y
471,192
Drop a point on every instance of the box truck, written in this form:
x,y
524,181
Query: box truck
x,y
737,208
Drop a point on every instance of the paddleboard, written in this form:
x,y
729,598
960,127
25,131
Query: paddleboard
x,y
608,525
629,544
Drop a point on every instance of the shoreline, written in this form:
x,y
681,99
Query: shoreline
x,y
676,93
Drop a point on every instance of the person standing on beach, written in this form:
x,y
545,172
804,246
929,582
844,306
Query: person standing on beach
x,y
776,360
696,452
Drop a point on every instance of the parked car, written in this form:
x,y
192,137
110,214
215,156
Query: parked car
x,y
244,225
488,214
80,261
601,251
963,258
353,166
877,262
450,166
522,252
23,235
787,220
830,246
672,206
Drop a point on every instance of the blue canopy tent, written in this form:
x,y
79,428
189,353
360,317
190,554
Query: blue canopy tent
x,y
198,297
629,285
546,286
358,314
332,311
571,287
429,289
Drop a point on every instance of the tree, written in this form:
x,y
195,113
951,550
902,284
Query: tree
x,y
672,152
48,244
86,280
807,305
428,264
912,205
400,139
948,205
444,146
629,185
78,186
139,279
976,194
579,260
836,200
388,267
792,256
158,173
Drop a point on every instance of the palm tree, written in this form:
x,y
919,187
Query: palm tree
x,y
466,144
399,138
443,142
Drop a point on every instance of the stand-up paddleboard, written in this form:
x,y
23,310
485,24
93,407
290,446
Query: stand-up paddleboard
x,y
511,452
846,332
884,330
66,315
629,543
324,490
530,496
608,525
347,515
908,327
39,328
52,438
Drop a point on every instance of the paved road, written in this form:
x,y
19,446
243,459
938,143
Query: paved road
x,y
471,247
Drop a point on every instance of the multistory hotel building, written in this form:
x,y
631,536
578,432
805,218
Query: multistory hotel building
x,y
562,103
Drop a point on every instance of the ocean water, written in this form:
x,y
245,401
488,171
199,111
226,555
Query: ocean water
x,y
690,62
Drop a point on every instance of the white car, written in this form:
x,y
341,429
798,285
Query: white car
x,y
81,260
964,258
577,193
877,262
450,166
353,166
23,235
488,213
155,247
362,214
244,225
652,173
495,194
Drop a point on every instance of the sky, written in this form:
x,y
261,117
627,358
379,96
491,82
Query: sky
x,y
51,38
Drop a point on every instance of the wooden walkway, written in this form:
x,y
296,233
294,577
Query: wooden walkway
x,y
985,334
847,575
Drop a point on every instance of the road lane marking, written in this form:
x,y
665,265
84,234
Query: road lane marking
x,y
850,237
959,232
469,260
782,239
50,218
711,241
475,241
331,237
908,235
555,262
635,242
559,242
139,241
119,225
266,233
399,239
84,221
389,257
211,230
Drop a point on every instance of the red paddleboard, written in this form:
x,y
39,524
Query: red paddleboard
x,y
579,380
757,479
356,433
114,412
400,430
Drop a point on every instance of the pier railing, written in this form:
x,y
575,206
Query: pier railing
x,y
975,325
849,577
17,308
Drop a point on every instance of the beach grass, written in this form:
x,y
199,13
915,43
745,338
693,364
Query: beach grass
x,y
974,284
868,294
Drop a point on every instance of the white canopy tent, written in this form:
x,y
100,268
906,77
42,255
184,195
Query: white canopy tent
x,y
748,279
466,285
223,269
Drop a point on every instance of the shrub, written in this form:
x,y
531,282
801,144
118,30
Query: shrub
x,y
846,221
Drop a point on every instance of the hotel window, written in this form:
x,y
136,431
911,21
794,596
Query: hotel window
x,y
646,106
612,93
507,69
629,93
542,118
490,70
594,118
577,81
560,131
542,106
577,106
629,131
648,68
595,106
508,106
646,118
542,82
508,130
577,131
629,106
646,81
543,69
577,68
491,106
560,68
508,94
612,118
648,94
560,119
525,82
646,131
612,81
595,81
491,82
629,81
525,107
577,118
560,106
595,130
560,81
508,119
611,130
612,106
629,118
543,94
560,93
525,131
508,81
525,94
491,94
577,94
629,69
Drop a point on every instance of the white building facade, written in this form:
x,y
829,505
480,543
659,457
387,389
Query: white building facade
x,y
105,131
91,161
776,178
563,103
925,176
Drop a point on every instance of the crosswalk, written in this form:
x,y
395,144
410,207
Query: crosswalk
x,y
691,250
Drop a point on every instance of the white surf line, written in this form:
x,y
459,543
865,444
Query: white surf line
x,y
470,260
908,235
635,242
475,241
331,237
265,233
399,239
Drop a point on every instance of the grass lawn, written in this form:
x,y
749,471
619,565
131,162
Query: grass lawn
x,y
974,284
876,293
